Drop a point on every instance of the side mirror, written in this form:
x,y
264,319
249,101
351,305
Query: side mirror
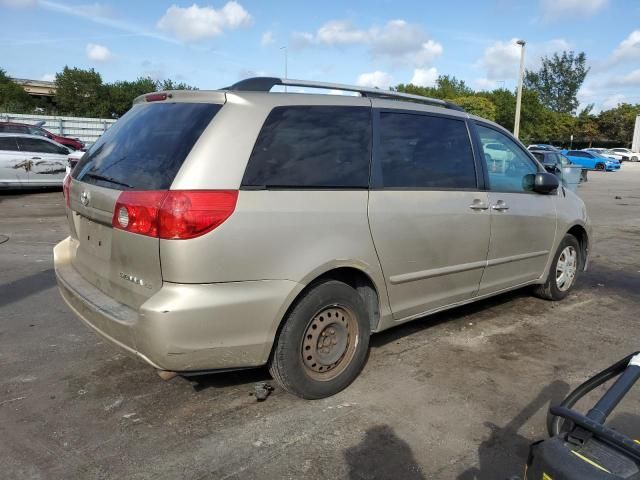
x,y
545,183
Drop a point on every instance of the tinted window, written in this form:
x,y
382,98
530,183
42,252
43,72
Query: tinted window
x,y
38,146
421,151
8,144
12,128
146,147
312,147
575,153
510,168
540,157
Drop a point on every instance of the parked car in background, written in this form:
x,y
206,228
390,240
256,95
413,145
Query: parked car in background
x,y
31,161
543,146
23,128
592,160
570,174
623,154
600,151
72,159
198,245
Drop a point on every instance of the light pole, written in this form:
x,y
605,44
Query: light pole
x,y
286,63
516,126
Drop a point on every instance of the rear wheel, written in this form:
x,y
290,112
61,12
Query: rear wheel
x,y
323,343
564,270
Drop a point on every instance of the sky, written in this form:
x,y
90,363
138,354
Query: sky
x,y
212,44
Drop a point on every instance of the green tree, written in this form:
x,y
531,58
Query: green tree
x,y
558,80
118,96
617,124
446,87
476,105
13,98
80,92
168,84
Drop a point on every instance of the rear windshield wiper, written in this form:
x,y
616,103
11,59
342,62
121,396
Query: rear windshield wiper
x,y
104,178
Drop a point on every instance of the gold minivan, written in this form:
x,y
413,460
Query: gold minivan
x,y
216,230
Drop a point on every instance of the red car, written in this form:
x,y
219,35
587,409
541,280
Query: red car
x,y
12,127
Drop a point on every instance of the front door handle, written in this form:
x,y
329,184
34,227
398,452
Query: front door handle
x,y
500,206
36,158
478,204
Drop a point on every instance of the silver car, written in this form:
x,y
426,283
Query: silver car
x,y
31,161
216,230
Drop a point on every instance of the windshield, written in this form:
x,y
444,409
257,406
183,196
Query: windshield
x,y
145,148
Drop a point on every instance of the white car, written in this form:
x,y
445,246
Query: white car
x,y
31,161
624,154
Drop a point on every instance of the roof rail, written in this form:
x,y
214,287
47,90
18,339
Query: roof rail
x,y
265,84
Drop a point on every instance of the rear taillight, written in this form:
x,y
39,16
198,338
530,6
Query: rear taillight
x,y
66,189
173,214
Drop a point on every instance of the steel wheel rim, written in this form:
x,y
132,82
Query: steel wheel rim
x,y
329,342
566,268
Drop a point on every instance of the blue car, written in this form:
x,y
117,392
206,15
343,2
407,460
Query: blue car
x,y
592,160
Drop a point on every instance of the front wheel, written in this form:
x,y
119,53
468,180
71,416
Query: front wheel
x,y
323,343
600,167
564,270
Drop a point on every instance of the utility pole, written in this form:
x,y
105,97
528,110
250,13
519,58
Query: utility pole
x,y
516,126
286,63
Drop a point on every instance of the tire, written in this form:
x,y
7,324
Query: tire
x,y
601,167
324,342
557,287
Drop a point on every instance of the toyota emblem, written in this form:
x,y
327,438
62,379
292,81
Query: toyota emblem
x,y
84,198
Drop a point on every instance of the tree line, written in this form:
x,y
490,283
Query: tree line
x,y
82,93
549,101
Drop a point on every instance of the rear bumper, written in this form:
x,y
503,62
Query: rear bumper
x,y
184,327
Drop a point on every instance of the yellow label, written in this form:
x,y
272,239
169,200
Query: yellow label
x,y
546,477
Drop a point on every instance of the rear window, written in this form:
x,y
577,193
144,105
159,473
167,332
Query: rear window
x,y
145,148
309,146
539,156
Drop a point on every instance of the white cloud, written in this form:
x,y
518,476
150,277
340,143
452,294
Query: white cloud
x,y
485,84
337,32
375,79
18,3
613,101
557,9
397,40
501,60
95,10
424,77
630,79
98,53
197,23
629,48
267,39
48,77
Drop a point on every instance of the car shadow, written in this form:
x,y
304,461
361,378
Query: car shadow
x,y
456,313
503,454
602,277
24,287
382,455
231,378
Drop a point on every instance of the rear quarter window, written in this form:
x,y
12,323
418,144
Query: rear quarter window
x,y
145,148
312,146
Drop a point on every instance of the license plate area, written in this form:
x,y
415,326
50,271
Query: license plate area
x,y
94,238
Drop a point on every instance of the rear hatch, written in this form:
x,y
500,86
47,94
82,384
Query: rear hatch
x,y
143,151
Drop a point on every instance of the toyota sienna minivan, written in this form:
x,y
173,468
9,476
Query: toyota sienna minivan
x,y
217,230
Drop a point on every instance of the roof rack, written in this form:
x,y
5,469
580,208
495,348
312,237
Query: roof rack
x,y
265,84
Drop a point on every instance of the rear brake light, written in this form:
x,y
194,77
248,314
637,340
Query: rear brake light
x,y
66,189
155,97
173,214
